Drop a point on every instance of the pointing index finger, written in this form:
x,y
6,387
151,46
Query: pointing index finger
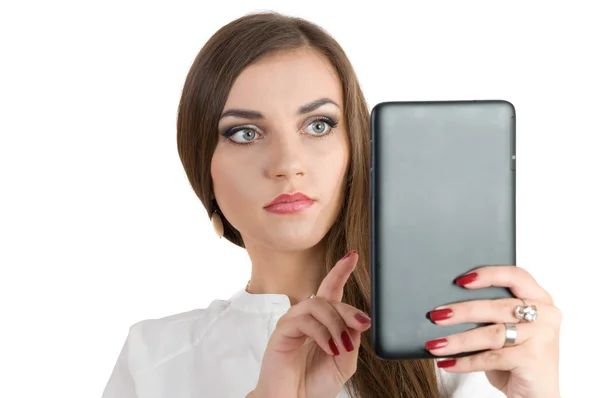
x,y
332,287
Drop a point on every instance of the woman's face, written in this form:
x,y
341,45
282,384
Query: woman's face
x,y
282,143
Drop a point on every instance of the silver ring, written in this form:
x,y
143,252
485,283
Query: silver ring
x,y
510,338
312,296
526,312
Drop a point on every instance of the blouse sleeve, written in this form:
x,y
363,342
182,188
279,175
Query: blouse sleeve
x,y
121,383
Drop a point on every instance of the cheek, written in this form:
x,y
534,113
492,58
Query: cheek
x,y
231,179
328,170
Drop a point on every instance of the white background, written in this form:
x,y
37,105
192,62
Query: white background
x,y
99,226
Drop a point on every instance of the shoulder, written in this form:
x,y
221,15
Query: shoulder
x,y
152,342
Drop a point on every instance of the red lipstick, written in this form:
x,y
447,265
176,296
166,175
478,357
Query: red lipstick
x,y
289,203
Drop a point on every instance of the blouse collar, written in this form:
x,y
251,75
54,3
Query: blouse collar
x,y
260,303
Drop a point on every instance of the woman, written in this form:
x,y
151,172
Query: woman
x,y
273,133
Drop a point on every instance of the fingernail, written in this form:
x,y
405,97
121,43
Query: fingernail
x,y
362,318
466,279
333,347
349,254
446,363
440,315
435,344
347,341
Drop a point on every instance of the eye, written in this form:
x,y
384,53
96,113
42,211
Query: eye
x,y
242,135
321,126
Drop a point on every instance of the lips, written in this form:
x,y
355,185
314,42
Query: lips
x,y
289,203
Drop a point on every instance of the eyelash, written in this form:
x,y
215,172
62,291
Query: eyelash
x,y
329,121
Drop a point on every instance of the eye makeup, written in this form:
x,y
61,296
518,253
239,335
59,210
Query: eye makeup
x,y
231,132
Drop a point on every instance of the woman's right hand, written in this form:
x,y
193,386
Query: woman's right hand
x,y
313,350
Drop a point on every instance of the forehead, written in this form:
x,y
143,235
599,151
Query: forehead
x,y
279,83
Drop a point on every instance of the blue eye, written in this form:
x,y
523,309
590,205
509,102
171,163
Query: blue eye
x,y
320,125
320,128
242,135
245,135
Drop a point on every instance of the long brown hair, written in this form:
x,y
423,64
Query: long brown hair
x,y
219,62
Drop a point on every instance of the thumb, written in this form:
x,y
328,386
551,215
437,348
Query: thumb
x,y
332,287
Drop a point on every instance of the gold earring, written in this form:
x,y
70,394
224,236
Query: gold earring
x,y
217,224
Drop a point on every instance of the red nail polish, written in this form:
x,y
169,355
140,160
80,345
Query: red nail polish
x,y
466,279
333,347
434,344
349,254
362,318
440,315
347,341
446,363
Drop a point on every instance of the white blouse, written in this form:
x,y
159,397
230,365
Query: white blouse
x,y
217,352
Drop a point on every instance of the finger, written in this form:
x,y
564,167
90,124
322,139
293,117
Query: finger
x,y
357,322
332,287
335,316
491,311
350,366
351,317
519,281
492,337
290,334
325,314
506,359
354,318
355,335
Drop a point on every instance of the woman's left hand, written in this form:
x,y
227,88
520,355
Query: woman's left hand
x,y
526,369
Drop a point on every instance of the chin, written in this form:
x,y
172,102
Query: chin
x,y
290,238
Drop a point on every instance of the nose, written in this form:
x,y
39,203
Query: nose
x,y
285,157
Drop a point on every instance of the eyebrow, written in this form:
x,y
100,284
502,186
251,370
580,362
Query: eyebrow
x,y
249,114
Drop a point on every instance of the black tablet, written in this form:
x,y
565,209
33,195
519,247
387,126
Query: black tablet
x,y
443,203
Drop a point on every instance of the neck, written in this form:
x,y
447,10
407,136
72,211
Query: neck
x,y
297,274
